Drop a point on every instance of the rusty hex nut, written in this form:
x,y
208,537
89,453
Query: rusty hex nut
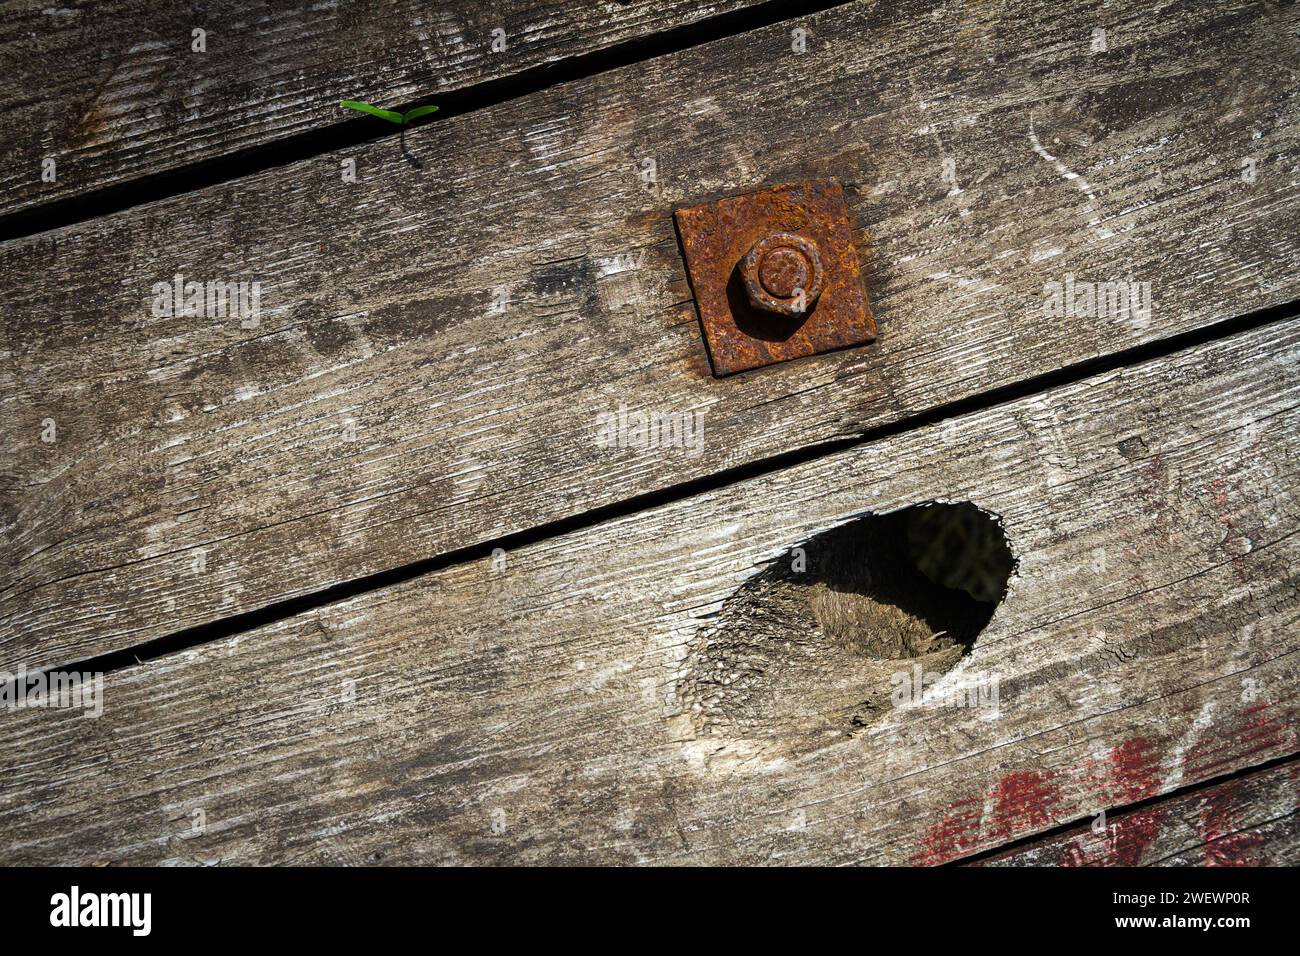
x,y
783,274
715,236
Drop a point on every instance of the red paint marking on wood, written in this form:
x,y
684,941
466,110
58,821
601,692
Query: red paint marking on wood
x,y
1135,770
1153,476
1239,849
1130,772
1220,816
1134,834
1023,801
1258,732
1218,487
1027,800
1124,843
1153,500
952,836
1219,491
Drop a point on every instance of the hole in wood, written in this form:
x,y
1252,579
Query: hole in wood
x,y
806,652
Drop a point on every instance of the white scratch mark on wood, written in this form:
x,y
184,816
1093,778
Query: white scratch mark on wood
x,y
1071,176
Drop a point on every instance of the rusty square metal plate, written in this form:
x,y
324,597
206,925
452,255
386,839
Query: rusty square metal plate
x,y
755,308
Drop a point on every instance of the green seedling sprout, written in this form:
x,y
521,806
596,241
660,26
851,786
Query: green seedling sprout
x,y
401,119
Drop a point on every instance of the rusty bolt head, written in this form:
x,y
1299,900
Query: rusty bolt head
x,y
783,274
716,235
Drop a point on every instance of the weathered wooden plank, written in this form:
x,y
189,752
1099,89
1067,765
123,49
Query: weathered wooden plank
x,y
542,705
384,410
1251,820
123,93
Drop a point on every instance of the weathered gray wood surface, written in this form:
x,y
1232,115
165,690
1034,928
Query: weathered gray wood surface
x,y
382,412
540,709
1251,820
123,94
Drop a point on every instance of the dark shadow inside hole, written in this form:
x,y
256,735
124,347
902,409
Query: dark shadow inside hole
x,y
959,546
816,647
908,583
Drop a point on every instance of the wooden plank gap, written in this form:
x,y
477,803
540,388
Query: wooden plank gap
x,y
281,610
349,133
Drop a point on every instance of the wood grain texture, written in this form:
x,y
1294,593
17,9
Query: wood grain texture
x,y
384,411
535,707
114,91
1251,820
